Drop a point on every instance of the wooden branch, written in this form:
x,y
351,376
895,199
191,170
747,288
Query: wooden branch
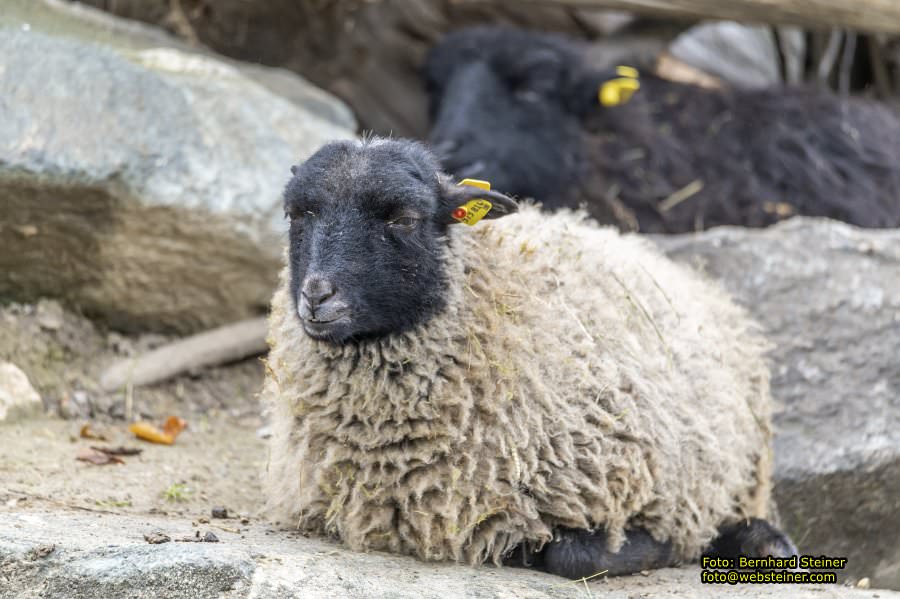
x,y
862,15
219,346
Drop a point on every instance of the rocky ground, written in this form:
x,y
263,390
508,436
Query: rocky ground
x,y
97,555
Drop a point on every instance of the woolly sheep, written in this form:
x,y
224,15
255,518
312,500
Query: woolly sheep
x,y
531,389
522,109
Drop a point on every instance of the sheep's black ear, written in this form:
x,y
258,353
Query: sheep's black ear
x,y
471,201
294,169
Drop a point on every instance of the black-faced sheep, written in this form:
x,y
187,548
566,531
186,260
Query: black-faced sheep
x,y
522,110
531,389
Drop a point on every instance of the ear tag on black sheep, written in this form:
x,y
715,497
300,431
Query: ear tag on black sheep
x,y
474,210
619,90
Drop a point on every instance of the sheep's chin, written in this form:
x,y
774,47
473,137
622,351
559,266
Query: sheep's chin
x,y
335,331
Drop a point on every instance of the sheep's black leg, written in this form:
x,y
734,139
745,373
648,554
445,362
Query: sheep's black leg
x,y
751,537
582,553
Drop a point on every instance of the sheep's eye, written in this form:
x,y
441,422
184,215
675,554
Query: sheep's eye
x,y
403,222
299,214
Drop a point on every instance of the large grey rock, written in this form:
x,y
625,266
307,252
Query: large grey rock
x,y
17,397
81,22
143,186
828,295
101,555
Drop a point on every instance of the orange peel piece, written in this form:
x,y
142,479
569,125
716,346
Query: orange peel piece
x,y
148,432
173,426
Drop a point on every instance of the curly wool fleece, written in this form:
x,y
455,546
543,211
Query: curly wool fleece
x,y
577,378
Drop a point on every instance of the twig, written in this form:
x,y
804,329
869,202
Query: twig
x,y
219,346
691,189
583,579
847,64
829,56
575,316
634,301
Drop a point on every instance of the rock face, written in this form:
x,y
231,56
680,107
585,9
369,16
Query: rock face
x,y
828,295
68,554
143,186
17,396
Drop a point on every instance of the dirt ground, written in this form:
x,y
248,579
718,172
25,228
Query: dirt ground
x,y
216,461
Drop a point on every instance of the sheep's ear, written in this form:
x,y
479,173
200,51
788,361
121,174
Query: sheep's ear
x,y
608,88
472,200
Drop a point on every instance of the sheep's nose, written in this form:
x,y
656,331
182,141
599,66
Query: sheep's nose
x,y
315,294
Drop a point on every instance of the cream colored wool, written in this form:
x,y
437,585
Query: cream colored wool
x,y
577,378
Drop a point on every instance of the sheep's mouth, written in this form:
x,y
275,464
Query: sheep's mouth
x,y
327,330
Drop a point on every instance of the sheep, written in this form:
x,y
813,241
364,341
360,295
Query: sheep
x,y
522,109
531,390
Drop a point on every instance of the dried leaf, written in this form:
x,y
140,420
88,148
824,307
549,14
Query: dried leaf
x,y
148,432
173,426
98,458
87,432
120,450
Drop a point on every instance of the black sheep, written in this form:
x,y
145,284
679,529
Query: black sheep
x,y
521,110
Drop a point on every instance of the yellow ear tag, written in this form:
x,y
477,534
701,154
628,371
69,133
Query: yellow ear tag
x,y
474,210
626,71
618,91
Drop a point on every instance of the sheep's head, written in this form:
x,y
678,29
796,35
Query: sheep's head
x,y
509,105
368,237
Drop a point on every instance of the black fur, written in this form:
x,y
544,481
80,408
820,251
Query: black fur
x,y
368,226
520,109
584,554
751,537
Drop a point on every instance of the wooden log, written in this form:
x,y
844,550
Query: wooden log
x,y
862,15
211,348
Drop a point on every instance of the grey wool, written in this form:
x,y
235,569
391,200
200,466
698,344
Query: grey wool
x,y
576,378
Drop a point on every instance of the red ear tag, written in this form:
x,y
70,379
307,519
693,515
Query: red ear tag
x,y
459,213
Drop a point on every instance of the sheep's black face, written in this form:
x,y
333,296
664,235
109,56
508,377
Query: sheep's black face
x,y
504,108
368,238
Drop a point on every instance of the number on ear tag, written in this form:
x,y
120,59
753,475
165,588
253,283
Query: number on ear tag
x,y
474,210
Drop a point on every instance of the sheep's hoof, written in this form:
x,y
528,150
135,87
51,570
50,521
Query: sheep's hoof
x,y
584,554
751,537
